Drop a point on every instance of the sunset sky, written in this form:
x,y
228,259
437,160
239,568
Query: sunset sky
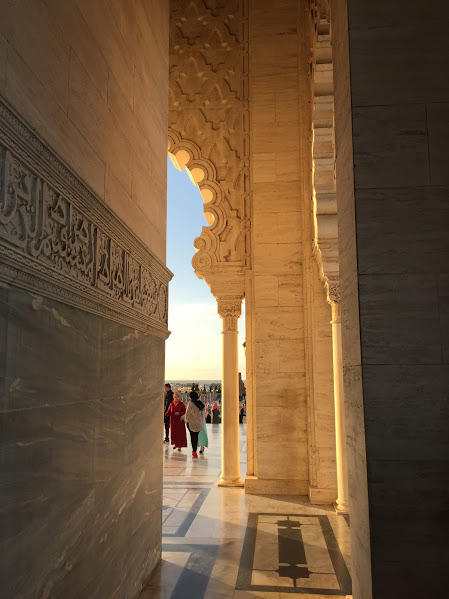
x,y
193,350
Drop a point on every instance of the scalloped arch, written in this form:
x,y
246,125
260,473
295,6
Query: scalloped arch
x,y
209,129
187,155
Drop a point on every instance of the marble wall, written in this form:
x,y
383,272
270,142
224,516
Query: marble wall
x,y
81,482
393,224
83,294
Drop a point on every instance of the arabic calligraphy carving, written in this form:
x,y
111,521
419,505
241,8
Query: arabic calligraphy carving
x,y
49,244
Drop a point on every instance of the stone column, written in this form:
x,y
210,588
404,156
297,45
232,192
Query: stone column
x,y
229,309
342,503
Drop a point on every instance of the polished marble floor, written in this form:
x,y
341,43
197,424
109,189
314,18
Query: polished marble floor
x,y
219,543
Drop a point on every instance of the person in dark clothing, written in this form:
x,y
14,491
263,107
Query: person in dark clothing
x,y
242,412
167,401
215,414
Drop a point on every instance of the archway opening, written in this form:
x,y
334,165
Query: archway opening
x,y
194,348
193,355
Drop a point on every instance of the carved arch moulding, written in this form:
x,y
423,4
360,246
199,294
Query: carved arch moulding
x,y
325,242
222,243
209,127
59,240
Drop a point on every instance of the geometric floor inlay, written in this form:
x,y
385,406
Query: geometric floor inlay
x,y
292,553
181,505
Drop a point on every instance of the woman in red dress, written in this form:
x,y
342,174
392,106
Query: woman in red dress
x,y
177,426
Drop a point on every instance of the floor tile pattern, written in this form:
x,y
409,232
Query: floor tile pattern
x,y
293,553
219,543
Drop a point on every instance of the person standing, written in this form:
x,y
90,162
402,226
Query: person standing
x,y
215,414
208,416
242,412
175,412
194,419
203,440
167,401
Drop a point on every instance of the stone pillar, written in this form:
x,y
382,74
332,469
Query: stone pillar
x,y
342,503
229,309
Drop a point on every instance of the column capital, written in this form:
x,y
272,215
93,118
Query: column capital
x,y
229,306
336,312
332,286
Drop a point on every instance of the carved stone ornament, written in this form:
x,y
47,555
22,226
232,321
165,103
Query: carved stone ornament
x,y
209,123
333,289
230,310
58,239
230,307
325,243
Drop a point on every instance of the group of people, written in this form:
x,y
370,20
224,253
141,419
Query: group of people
x,y
177,416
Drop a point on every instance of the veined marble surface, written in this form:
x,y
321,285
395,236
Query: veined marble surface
x,y
80,495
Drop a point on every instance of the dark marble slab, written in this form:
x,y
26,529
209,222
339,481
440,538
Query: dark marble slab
x,y
80,481
397,52
399,232
443,308
407,413
409,518
399,319
390,146
438,131
384,13
408,579
400,64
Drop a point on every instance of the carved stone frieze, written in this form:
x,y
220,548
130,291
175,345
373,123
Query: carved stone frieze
x,y
209,122
58,239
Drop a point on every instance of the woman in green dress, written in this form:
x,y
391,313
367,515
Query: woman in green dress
x,y
203,441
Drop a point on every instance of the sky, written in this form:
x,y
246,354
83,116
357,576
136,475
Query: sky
x,y
193,350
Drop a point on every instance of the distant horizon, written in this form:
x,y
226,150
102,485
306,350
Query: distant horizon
x,y
193,380
190,381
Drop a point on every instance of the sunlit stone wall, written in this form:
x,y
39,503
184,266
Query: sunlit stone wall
x,y
288,320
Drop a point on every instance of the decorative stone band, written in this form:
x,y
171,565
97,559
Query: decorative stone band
x,y
325,242
58,239
230,309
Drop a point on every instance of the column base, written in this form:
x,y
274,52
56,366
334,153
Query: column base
x,y
322,496
341,508
237,482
